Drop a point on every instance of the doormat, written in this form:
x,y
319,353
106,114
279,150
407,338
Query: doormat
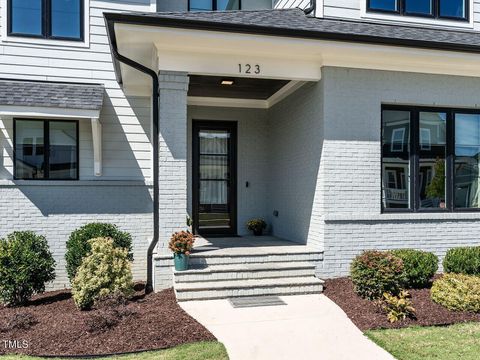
x,y
255,301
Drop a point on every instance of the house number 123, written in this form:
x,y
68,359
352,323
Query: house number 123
x,y
249,69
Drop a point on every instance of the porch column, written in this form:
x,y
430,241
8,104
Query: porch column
x,y
173,155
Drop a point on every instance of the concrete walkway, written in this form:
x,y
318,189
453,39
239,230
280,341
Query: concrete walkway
x,y
308,327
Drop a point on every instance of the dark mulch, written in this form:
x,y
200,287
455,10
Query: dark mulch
x,y
367,316
52,325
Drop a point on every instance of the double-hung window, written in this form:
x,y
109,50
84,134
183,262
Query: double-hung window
x,y
430,159
440,9
47,19
214,5
45,149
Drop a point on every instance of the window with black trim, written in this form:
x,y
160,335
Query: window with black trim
x,y
430,159
214,5
46,19
45,149
438,9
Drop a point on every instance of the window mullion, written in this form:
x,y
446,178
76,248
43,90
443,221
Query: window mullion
x,y
450,166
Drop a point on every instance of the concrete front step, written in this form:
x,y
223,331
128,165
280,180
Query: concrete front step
x,y
228,259
251,287
245,271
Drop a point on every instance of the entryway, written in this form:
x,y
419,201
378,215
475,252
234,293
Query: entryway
x,y
214,177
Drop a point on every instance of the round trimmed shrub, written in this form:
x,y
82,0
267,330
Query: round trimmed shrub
x,y
106,271
419,267
463,260
377,272
457,292
78,246
26,265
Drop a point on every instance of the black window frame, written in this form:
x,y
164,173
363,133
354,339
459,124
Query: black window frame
x,y
46,153
215,7
435,15
414,184
47,23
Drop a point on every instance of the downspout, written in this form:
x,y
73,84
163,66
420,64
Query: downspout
x,y
110,24
311,8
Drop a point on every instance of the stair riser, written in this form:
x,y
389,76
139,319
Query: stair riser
x,y
255,259
243,275
260,291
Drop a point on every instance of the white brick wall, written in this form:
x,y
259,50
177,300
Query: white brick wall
x,y
54,211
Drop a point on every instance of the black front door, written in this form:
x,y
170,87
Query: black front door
x,y
214,177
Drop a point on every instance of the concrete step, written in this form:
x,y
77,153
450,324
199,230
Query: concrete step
x,y
251,287
228,259
267,270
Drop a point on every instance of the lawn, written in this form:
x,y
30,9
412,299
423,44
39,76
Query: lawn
x,y
196,351
460,341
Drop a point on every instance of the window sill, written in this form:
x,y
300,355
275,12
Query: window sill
x,y
44,42
18,183
386,217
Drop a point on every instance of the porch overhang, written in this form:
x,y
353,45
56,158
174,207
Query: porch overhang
x,y
285,43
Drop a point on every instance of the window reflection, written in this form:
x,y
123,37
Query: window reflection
x,y
396,156
467,157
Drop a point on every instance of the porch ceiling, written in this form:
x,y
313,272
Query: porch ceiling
x,y
240,88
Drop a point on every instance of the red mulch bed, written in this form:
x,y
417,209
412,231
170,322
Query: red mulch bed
x,y
367,316
54,326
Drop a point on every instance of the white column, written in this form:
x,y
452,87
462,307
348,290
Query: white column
x,y
97,146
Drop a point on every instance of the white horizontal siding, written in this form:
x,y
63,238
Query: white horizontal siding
x,y
126,121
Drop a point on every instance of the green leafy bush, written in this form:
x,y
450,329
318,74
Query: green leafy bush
x,y
26,265
457,292
78,246
419,266
106,271
398,307
463,260
375,272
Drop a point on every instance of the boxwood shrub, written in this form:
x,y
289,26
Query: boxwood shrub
x,y
26,265
457,292
419,267
462,260
374,273
78,246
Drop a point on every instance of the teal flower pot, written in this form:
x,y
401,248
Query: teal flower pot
x,y
181,262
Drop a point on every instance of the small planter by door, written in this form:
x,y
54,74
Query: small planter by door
x,y
258,232
181,262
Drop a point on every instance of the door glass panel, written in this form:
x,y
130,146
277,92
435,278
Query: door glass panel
x,y
29,150
467,158
214,182
396,159
63,150
432,155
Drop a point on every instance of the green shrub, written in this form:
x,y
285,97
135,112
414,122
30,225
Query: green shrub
x,y
78,246
463,260
106,271
375,272
457,292
26,265
419,266
398,307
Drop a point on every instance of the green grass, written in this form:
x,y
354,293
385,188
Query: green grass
x,y
196,351
461,341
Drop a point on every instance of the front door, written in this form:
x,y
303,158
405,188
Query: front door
x,y
214,177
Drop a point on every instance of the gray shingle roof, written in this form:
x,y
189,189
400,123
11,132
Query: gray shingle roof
x,y
294,20
49,94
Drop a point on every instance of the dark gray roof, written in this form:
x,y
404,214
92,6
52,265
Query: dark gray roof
x,y
293,22
50,94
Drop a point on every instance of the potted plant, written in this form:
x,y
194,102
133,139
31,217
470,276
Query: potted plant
x,y
181,244
257,226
